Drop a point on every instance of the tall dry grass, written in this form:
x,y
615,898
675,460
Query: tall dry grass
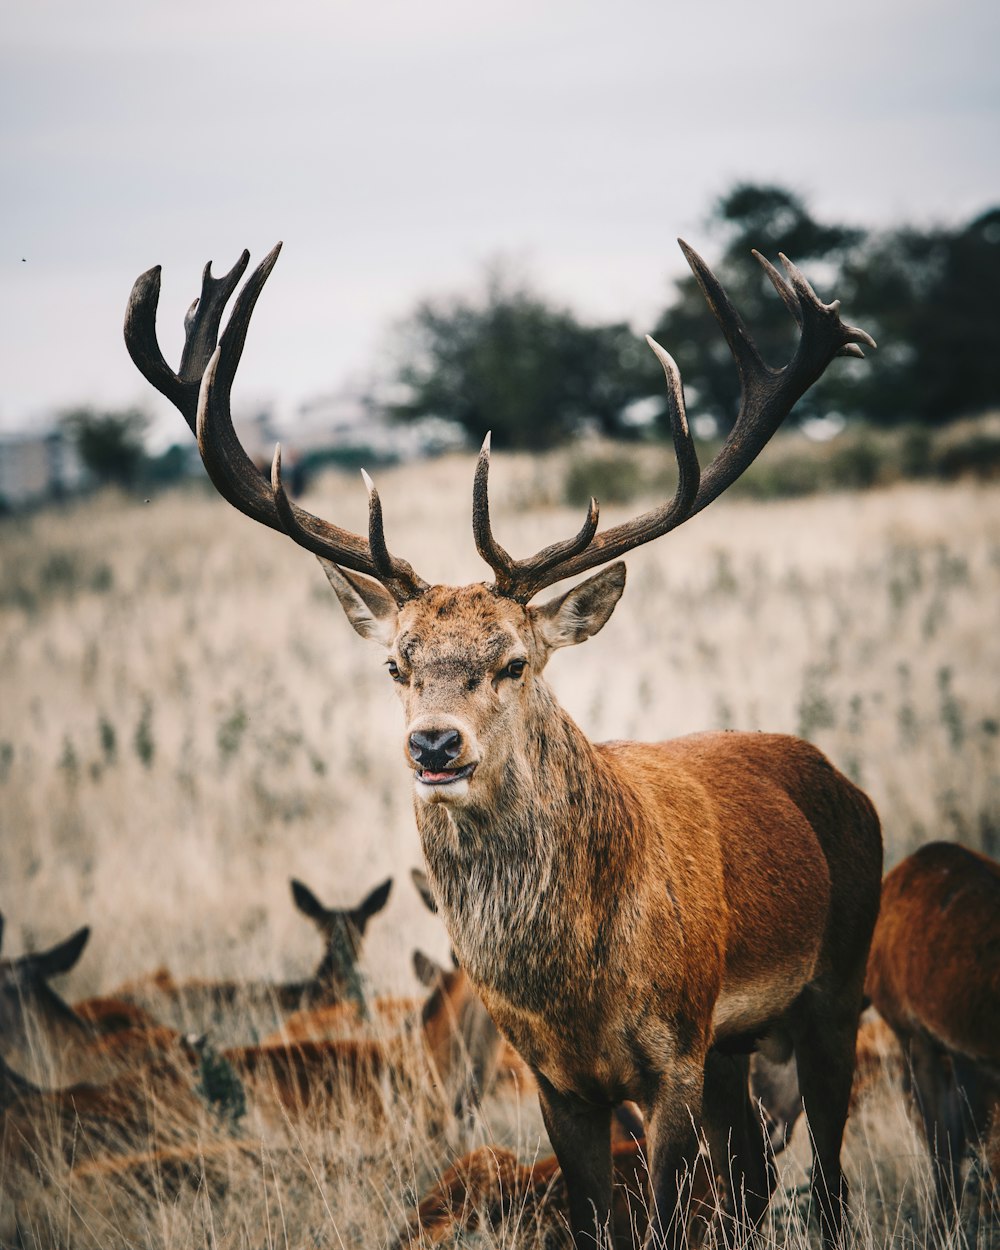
x,y
187,720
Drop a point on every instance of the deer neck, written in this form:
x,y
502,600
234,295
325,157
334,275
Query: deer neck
x,y
516,873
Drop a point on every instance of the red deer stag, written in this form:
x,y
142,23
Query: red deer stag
x,y
635,917
934,974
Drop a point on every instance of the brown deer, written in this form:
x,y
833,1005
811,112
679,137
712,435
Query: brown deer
x,y
635,917
41,1035
337,978
934,974
303,1074
488,1186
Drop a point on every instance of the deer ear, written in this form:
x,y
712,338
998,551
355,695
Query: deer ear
x,y
582,611
375,901
307,902
369,607
419,879
429,971
61,957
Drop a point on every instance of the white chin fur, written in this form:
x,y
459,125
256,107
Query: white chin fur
x,y
450,793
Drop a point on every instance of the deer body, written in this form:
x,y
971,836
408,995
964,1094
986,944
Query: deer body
x,y
636,917
688,871
934,974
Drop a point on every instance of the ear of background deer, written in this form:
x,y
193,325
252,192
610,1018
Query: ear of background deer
x,y
201,392
372,903
767,396
61,957
427,970
419,879
307,902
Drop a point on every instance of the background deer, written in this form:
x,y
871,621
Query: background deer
x,y
337,979
637,918
934,974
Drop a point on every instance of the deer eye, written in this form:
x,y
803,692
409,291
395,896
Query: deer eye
x,y
514,669
394,672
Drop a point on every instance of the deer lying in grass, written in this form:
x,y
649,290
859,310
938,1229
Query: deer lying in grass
x,y
488,1187
337,977
490,1183
934,974
635,917
305,1074
47,1041
150,1098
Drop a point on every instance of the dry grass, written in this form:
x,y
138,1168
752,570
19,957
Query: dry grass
x,y
187,720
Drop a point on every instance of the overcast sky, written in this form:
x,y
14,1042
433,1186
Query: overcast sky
x,y
398,147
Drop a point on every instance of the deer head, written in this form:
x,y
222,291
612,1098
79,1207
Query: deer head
x,y
467,662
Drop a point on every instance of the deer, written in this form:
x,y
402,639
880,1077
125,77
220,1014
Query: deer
x,y
437,1046
44,1038
636,917
489,1185
934,975
337,979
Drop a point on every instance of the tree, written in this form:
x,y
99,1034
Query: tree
x,y
510,362
772,220
110,443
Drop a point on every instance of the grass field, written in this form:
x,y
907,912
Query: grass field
x,y
187,720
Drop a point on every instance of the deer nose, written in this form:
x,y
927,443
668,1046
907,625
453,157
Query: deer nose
x,y
434,749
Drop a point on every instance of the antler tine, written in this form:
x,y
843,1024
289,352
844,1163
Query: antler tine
x,y
499,560
201,390
779,284
767,396
589,549
514,577
238,480
387,565
201,328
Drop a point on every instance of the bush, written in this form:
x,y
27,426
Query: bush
x,y
608,478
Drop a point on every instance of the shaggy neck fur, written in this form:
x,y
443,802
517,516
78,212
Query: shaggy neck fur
x,y
516,873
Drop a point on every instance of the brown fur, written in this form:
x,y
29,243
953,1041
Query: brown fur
x,y
488,1186
134,1107
339,1020
47,1042
164,1172
637,917
634,917
310,1073
107,1015
934,974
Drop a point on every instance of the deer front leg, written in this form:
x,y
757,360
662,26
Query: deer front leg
x,y
672,1139
580,1133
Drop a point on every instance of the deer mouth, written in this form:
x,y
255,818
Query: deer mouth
x,y
446,778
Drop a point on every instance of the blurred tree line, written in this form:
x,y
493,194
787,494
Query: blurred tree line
x,y
509,360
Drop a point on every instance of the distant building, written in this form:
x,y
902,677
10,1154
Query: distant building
x,y
342,422
35,467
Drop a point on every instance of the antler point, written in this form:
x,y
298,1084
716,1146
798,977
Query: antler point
x,y
369,484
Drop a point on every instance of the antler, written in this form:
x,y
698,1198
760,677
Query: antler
x,y
767,395
201,390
